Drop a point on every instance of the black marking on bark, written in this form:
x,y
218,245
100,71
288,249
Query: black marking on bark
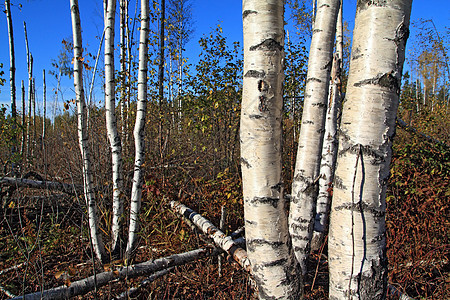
x,y
362,207
255,74
278,262
387,80
324,5
377,156
338,183
252,244
251,222
313,79
307,122
327,66
261,291
356,53
378,238
301,220
248,12
263,104
277,187
302,250
265,200
269,45
263,86
245,163
299,237
317,30
401,35
372,284
300,227
255,117
320,104
365,4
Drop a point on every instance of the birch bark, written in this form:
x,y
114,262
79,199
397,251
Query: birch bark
x,y
136,192
30,89
96,237
111,126
330,142
22,147
273,265
44,104
123,68
12,66
304,185
357,240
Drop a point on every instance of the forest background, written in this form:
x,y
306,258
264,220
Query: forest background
x,y
193,148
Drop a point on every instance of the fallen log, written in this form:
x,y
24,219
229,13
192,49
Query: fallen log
x,y
67,188
86,285
132,291
220,239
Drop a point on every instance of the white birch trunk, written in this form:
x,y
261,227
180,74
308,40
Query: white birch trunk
x,y
330,142
34,115
273,264
304,185
111,126
357,238
44,100
136,192
30,88
95,233
22,148
12,66
123,69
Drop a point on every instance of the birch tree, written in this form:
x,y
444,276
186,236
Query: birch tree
x,y
30,88
357,240
306,174
329,148
44,104
273,265
95,234
22,147
123,69
111,126
12,67
136,192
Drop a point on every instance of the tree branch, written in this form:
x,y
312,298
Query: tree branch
x,y
220,239
86,285
38,184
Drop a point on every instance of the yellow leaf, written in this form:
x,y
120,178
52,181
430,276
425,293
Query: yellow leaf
x,y
59,274
11,205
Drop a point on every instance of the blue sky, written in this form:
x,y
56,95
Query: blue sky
x,y
48,22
